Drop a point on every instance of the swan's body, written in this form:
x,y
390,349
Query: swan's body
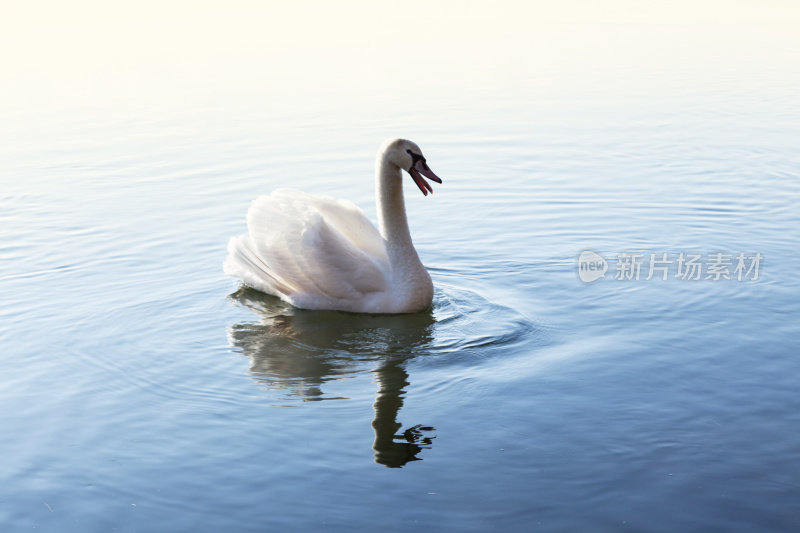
x,y
322,253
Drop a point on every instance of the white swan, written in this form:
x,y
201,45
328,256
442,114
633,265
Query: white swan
x,y
321,253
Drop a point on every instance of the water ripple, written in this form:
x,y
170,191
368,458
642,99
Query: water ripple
x,y
298,350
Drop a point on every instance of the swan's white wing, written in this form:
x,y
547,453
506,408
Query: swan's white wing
x,y
349,220
336,267
310,251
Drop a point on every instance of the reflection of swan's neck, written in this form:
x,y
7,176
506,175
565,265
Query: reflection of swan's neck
x,y
393,380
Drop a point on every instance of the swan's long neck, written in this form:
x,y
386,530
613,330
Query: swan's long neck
x,y
393,222
391,206
409,277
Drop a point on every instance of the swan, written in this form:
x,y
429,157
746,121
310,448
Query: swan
x,y
322,253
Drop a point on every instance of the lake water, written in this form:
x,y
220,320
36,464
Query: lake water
x,y
143,390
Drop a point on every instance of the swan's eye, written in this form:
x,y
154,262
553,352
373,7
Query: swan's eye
x,y
415,158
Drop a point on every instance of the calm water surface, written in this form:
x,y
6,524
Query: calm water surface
x,y
142,390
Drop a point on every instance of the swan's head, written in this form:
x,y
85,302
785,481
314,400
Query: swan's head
x,y
407,155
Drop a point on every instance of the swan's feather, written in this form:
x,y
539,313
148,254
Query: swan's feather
x,y
311,251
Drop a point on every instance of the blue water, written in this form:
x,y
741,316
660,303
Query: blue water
x,y
142,390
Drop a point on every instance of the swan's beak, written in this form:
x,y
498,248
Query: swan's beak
x,y
420,168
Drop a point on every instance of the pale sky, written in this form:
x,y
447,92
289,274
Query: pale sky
x,y
90,51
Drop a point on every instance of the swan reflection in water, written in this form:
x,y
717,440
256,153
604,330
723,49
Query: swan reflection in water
x,y
299,351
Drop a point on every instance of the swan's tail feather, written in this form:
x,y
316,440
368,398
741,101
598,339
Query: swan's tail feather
x,y
244,263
